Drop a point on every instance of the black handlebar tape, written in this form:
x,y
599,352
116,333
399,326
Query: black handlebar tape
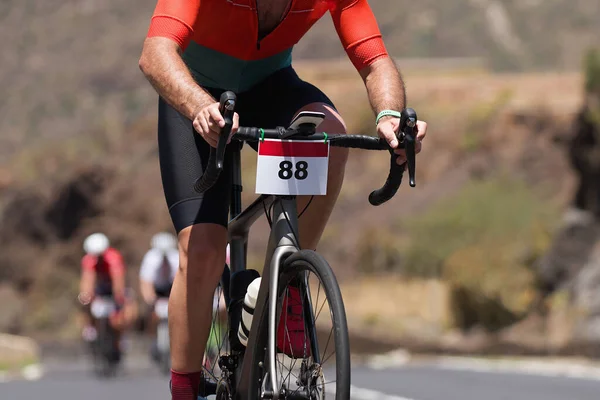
x,y
359,142
217,156
391,185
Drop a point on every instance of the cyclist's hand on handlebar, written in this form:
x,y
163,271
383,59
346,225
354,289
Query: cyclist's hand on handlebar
x,y
209,122
387,129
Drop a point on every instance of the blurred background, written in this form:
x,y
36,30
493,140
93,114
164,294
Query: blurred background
x,y
495,252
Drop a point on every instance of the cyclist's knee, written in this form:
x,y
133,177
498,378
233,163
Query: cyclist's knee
x,y
202,252
333,123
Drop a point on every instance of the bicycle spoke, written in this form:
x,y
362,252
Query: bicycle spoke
x,y
328,357
210,373
287,332
321,309
318,294
326,346
290,373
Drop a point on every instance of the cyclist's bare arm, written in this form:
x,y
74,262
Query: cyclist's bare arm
x,y
87,284
384,84
163,66
117,276
359,33
386,91
147,290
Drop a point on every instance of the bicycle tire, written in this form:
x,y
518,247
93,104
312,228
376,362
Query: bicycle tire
x,y
104,364
162,337
310,260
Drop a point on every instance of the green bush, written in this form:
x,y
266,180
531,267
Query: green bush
x,y
482,243
591,67
592,86
499,210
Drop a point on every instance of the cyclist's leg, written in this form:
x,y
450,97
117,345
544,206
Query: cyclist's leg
x,y
200,221
202,250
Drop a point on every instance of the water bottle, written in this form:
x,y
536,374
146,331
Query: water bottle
x,y
248,311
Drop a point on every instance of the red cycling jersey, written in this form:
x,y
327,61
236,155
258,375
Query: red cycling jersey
x,y
231,27
107,266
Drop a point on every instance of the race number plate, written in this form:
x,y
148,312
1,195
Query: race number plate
x,y
292,167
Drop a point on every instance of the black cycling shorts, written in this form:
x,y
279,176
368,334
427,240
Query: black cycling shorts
x,y
163,290
183,153
103,288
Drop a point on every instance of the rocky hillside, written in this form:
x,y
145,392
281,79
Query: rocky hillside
x,y
507,34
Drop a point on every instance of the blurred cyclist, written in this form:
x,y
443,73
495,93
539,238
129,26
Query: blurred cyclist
x,y
157,272
102,274
159,266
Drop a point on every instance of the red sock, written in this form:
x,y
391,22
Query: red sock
x,y
184,386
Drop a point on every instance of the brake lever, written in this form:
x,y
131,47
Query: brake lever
x,y
407,135
227,110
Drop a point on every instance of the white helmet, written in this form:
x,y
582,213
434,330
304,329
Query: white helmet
x,y
164,241
96,244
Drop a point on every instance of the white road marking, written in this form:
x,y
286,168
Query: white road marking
x,y
551,368
396,358
33,372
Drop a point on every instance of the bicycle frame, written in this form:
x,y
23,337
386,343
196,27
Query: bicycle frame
x,y
282,243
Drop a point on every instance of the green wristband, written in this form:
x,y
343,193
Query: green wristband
x,y
386,113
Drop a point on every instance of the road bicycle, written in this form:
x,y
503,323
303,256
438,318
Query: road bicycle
x,y
105,352
287,350
163,353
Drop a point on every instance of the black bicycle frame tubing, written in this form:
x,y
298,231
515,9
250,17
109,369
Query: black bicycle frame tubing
x,y
282,242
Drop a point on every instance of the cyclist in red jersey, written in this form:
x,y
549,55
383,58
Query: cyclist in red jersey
x,y
102,274
194,51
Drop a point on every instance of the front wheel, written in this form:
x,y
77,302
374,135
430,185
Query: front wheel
x,y
106,355
313,352
163,348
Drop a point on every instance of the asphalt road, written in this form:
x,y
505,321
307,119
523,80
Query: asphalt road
x,y
67,381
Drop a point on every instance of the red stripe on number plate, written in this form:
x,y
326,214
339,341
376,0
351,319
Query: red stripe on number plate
x,y
293,149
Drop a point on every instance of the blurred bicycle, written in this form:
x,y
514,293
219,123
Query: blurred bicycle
x,y
104,300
